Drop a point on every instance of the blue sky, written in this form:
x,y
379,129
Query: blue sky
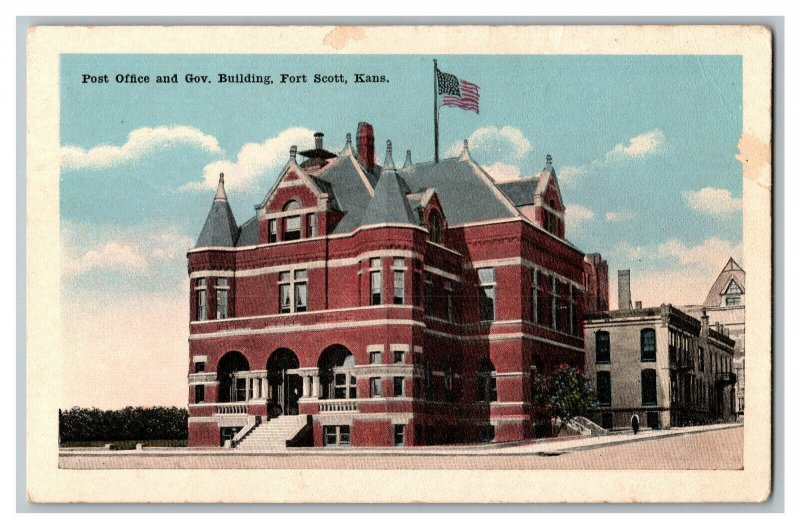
x,y
644,147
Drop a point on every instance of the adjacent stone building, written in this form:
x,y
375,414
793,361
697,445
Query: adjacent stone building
x,y
660,365
725,307
379,305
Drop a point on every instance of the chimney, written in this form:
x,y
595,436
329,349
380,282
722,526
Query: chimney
x,y
624,290
365,138
638,305
318,140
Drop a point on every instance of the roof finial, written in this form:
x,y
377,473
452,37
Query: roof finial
x,y
221,195
389,162
293,153
408,163
549,162
465,153
348,146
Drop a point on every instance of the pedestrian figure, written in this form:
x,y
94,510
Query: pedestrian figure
x,y
635,424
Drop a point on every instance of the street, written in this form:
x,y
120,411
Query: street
x,y
699,448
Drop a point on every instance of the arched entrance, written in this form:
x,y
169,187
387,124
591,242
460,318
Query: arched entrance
x,y
231,387
336,373
285,385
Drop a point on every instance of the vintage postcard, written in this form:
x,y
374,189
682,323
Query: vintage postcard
x,y
399,264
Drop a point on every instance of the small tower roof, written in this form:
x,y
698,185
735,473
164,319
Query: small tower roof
x,y
220,228
389,205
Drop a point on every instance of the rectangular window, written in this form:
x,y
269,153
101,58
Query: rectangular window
x,y
543,301
448,297
291,230
648,345
199,367
399,287
604,388
202,308
199,393
285,298
311,225
222,298
602,347
399,430
701,358
375,389
344,435
428,296
554,303
329,436
300,291
573,310
649,387
272,235
535,295
375,357
375,281
399,357
486,293
398,386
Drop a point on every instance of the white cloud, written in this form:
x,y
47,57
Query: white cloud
x,y
637,147
133,250
503,172
619,216
710,255
570,173
112,255
141,142
492,144
253,160
578,213
712,200
629,252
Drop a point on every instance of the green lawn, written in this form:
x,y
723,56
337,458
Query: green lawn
x,y
124,445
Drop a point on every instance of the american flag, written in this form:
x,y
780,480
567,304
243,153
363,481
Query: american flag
x,y
458,92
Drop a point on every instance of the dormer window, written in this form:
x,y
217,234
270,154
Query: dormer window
x,y
435,227
733,295
291,226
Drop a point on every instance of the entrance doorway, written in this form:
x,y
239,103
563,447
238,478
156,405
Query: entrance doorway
x,y
285,386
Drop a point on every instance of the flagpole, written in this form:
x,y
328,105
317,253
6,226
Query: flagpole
x,y
435,114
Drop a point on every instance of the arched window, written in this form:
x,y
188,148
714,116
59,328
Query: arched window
x,y
487,383
649,395
336,373
291,205
291,225
648,342
435,226
232,387
602,347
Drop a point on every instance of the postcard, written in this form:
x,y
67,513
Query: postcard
x,y
361,264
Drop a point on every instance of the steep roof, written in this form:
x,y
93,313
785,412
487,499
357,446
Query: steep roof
x,y
248,232
389,204
220,228
521,191
466,191
730,272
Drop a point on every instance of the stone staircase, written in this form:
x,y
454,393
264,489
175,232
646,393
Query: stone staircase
x,y
587,427
272,435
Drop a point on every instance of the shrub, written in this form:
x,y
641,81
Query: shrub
x,y
127,424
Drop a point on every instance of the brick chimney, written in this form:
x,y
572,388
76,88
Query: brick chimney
x,y
365,140
624,290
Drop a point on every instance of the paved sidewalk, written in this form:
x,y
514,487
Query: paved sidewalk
x,y
533,447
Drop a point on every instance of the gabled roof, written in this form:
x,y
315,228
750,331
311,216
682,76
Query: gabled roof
x,y
730,272
248,232
220,228
389,204
466,191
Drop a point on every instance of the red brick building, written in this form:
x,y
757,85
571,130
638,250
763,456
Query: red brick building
x,y
371,305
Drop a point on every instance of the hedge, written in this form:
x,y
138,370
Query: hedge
x,y
128,424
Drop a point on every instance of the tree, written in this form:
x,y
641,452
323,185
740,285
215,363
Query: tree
x,y
563,394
